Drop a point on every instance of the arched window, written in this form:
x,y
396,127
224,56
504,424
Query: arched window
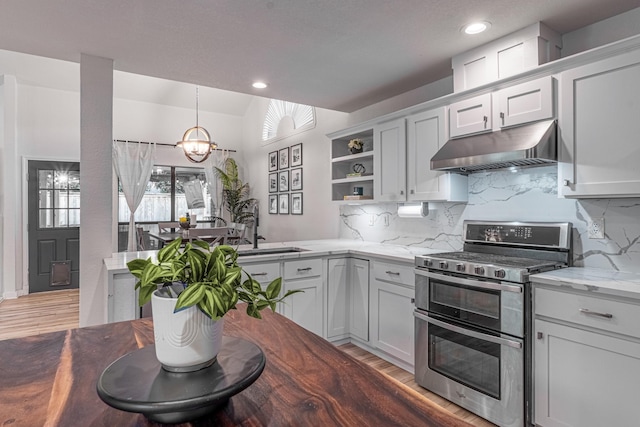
x,y
286,118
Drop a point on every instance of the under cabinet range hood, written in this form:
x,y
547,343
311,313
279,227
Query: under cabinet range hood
x,y
529,145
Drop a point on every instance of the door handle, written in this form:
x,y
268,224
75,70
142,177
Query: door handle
x,y
595,313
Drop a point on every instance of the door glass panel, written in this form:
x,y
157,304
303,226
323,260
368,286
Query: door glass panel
x,y
74,199
60,199
60,218
467,360
74,217
60,179
74,180
45,179
481,302
45,218
45,199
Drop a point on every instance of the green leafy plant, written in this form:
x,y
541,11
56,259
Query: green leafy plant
x,y
212,277
235,193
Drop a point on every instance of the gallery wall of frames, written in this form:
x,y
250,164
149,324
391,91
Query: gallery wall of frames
x,y
285,181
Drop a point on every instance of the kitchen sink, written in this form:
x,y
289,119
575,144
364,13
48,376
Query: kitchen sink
x,y
269,251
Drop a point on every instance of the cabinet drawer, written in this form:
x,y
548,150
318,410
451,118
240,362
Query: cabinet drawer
x,y
394,273
302,268
263,273
614,316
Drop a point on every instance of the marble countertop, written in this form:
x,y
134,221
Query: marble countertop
x,y
607,282
311,248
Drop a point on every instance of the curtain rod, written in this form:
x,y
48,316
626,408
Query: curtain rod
x,y
170,145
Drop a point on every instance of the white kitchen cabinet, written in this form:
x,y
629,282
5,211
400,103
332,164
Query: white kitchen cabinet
x,y
264,273
390,146
391,312
526,102
426,134
348,299
469,116
586,363
122,298
352,170
304,308
599,118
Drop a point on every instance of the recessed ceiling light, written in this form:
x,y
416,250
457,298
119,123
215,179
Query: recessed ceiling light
x,y
476,27
259,85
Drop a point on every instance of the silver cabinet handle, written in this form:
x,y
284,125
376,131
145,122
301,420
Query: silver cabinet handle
x,y
259,274
300,270
412,191
502,117
566,182
595,313
401,191
395,273
485,121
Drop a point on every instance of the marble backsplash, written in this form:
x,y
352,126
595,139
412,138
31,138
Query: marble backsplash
x,y
526,195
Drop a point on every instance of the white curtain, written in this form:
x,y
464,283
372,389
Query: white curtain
x,y
133,162
217,159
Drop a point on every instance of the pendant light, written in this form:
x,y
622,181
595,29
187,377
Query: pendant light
x,y
196,142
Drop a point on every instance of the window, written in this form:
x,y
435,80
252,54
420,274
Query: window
x,y
303,117
58,199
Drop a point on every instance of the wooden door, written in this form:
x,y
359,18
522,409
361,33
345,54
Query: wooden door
x,y
53,225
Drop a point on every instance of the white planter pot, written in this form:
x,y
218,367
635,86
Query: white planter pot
x,y
187,340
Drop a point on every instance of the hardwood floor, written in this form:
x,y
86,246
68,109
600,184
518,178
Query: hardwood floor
x,y
58,310
39,313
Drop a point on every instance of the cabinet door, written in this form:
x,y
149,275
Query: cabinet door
x,y
305,308
337,298
359,299
524,103
390,146
426,133
392,326
584,378
599,119
469,116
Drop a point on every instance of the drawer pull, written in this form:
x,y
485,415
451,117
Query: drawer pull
x,y
259,274
395,273
595,313
301,270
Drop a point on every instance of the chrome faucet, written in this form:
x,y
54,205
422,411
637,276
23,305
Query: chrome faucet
x,y
256,223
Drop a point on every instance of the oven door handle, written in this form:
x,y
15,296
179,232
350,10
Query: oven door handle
x,y
468,332
471,283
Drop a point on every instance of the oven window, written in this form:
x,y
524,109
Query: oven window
x,y
481,306
467,360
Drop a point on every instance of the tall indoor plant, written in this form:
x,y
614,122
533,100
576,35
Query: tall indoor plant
x,y
235,193
200,284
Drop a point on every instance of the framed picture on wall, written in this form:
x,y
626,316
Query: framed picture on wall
x,y
273,182
283,204
273,203
283,181
273,161
296,203
296,155
283,155
296,179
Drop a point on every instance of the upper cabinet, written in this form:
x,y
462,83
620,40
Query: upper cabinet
x,y
510,55
524,103
472,115
599,119
389,142
426,133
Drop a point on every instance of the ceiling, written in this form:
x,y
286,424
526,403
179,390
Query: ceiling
x,y
334,54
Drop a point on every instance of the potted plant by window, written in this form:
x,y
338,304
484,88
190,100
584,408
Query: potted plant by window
x,y
191,290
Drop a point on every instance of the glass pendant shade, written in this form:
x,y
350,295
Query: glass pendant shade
x,y
196,144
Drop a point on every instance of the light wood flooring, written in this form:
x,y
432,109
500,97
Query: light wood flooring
x,y
58,310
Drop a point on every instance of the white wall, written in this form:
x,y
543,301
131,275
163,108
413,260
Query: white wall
x,y
320,217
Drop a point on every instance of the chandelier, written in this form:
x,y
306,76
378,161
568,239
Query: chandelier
x,y
196,142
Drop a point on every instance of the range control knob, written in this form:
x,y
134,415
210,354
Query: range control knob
x,y
428,263
444,265
460,267
500,273
478,269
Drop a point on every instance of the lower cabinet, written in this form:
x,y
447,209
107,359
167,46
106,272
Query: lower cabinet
x,y
348,299
586,372
391,310
304,308
264,273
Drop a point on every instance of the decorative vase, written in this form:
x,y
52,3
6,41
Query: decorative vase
x,y
354,150
187,340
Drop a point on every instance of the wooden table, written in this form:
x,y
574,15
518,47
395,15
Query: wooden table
x,y
51,379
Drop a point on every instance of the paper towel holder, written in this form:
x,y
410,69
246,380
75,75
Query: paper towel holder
x,y
413,210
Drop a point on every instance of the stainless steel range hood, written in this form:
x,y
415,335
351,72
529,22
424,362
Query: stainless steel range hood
x,y
529,145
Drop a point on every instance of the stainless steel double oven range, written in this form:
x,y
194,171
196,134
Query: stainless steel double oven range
x,y
473,315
